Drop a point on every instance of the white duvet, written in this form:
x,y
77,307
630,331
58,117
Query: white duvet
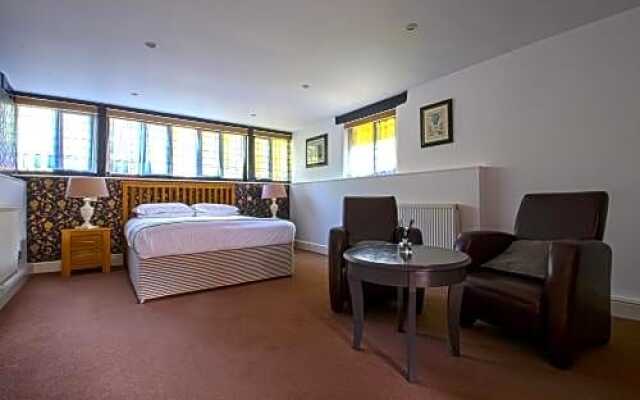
x,y
157,237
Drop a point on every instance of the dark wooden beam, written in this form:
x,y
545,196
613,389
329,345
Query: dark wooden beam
x,y
371,109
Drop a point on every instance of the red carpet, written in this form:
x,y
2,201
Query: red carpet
x,y
86,338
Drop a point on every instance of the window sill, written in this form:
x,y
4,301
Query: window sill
x,y
394,172
380,176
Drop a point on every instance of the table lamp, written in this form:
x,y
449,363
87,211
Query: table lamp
x,y
88,189
273,192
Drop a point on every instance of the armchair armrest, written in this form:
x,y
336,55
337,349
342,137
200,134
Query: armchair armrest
x,y
415,235
482,246
338,285
577,293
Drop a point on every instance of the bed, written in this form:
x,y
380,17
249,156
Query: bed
x,y
170,256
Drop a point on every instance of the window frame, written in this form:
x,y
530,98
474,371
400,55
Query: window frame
x,y
58,142
198,154
373,119
100,143
270,135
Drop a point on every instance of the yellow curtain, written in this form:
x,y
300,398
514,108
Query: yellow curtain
x,y
386,129
362,135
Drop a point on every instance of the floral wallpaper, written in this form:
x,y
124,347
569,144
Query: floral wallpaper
x,y
48,211
249,201
7,132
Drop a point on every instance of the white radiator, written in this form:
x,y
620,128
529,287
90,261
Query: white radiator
x,y
439,223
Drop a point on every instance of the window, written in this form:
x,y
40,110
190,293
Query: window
x,y
124,146
156,155
138,148
271,158
50,139
148,148
233,156
57,135
36,138
210,153
185,150
371,146
77,142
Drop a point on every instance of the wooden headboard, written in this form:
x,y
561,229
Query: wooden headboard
x,y
141,192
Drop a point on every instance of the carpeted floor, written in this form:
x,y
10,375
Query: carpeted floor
x,y
87,338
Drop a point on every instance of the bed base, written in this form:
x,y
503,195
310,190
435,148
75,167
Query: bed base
x,y
158,277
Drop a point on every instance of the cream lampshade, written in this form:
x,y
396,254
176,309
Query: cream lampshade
x,y
274,191
88,189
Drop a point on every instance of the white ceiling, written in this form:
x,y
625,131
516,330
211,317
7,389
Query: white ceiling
x,y
225,59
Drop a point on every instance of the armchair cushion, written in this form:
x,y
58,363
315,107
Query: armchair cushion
x,y
509,289
482,246
523,257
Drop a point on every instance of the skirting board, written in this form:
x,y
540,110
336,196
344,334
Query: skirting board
x,y
625,307
621,307
54,266
312,247
11,286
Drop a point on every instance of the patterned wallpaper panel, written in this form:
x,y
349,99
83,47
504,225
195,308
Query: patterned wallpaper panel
x,y
249,201
48,211
7,132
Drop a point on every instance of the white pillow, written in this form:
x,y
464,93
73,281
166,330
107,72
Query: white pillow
x,y
160,210
167,215
215,210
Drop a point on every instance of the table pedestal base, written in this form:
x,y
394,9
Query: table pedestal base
x,y
407,316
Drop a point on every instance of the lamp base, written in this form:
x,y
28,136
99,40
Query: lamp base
x,y
274,208
86,211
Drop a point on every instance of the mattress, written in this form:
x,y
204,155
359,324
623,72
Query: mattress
x,y
160,237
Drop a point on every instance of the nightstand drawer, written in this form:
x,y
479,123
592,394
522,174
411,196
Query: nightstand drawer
x,y
86,242
85,257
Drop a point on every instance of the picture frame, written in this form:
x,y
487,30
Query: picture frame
x,y
436,123
316,151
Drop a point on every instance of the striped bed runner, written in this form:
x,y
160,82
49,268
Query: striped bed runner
x,y
169,275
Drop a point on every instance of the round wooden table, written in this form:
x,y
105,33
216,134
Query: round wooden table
x,y
426,267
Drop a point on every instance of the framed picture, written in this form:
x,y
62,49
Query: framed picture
x,y
317,151
436,123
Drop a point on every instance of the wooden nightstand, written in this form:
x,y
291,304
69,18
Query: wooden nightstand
x,y
86,248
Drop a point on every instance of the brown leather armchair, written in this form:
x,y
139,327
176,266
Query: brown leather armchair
x,y
569,309
364,219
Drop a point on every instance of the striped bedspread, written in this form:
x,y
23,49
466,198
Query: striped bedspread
x,y
176,274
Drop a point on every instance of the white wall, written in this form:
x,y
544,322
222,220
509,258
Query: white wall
x,y
317,206
335,154
558,115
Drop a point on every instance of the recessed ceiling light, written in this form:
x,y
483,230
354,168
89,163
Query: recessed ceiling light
x,y
411,27
151,45
135,94
305,86
252,114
